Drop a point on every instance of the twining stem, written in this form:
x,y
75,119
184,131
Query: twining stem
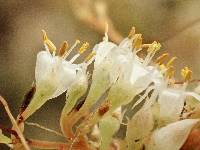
x,y
20,134
47,144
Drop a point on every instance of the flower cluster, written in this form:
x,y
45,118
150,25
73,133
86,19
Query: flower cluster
x,y
129,101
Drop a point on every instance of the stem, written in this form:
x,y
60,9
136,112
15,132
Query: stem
x,y
21,136
47,144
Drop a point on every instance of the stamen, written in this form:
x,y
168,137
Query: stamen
x,y
81,50
186,74
48,43
163,68
160,60
137,43
146,45
131,33
63,48
74,58
71,49
90,56
105,38
153,48
171,61
170,72
83,47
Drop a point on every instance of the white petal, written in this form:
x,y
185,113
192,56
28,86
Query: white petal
x,y
140,77
122,62
197,89
66,75
193,94
138,71
172,136
102,49
44,64
156,76
139,127
126,43
171,103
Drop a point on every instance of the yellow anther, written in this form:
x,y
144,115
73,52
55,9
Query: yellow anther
x,y
44,35
154,47
48,43
77,41
160,60
90,56
131,33
186,74
83,47
163,67
137,43
171,61
170,72
64,47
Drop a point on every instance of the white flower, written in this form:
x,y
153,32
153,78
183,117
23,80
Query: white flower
x,y
172,136
102,51
135,76
75,91
56,71
53,75
104,74
171,100
139,127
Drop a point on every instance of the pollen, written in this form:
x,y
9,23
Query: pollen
x,y
137,43
90,56
64,47
186,74
83,48
154,47
48,43
160,60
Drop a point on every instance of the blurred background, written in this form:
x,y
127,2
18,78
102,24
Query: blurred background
x,y
174,23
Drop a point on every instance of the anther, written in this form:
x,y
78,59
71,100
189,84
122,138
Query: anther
x,y
83,47
48,43
154,47
186,74
137,43
160,60
170,72
66,54
64,47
